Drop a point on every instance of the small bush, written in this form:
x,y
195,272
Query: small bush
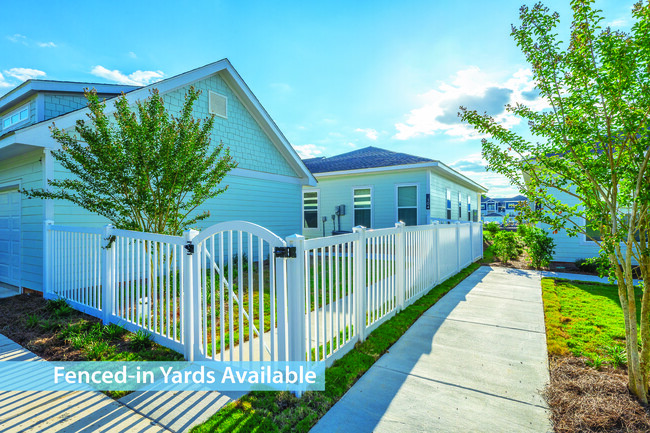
x,y
98,350
596,362
540,246
506,246
617,355
599,265
491,227
33,321
141,340
113,331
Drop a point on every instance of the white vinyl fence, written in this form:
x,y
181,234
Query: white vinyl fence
x,y
236,291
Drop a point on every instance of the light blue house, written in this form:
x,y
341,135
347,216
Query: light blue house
x,y
376,188
265,188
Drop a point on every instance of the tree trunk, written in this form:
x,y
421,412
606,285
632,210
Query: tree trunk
x,y
628,305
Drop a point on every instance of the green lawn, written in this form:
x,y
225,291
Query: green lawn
x,y
585,319
282,412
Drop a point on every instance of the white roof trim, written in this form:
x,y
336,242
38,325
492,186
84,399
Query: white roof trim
x,y
34,133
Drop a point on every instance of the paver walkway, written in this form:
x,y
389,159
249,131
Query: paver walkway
x,y
474,362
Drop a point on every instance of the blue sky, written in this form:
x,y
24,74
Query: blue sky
x,y
335,76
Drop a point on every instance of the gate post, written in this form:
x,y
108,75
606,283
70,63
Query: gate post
x,y
400,265
189,302
360,291
296,314
107,259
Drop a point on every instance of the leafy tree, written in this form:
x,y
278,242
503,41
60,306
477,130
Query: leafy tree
x,y
143,170
592,145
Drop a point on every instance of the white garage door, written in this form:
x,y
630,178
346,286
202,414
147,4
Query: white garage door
x,y
10,237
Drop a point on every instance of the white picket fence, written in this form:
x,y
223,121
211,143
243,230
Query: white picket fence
x,y
236,291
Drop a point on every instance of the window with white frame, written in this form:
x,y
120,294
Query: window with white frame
x,y
310,209
448,203
469,207
362,207
460,206
16,117
407,204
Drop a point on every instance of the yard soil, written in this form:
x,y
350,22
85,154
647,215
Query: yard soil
x,y
43,342
583,399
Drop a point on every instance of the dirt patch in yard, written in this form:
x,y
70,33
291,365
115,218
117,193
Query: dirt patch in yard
x,y
583,399
42,339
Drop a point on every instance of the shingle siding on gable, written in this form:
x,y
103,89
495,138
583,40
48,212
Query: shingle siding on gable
x,y
58,104
248,143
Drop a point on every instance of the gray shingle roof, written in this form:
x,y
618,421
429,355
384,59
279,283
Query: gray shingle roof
x,y
368,157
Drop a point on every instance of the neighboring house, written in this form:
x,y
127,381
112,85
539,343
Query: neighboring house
x,y
375,188
265,188
494,209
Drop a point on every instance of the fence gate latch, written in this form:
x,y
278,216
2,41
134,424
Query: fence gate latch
x,y
189,247
285,252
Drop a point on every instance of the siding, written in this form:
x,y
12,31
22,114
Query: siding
x,y
26,169
337,190
570,249
56,104
249,145
439,185
273,205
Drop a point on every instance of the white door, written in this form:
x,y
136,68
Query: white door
x,y
10,237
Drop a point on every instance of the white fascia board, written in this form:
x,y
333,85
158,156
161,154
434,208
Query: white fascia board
x,y
451,173
377,169
41,131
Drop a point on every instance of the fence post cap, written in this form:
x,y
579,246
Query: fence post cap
x,y
358,229
189,234
294,239
49,222
400,224
435,222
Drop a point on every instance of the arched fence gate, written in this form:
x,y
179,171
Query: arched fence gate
x,y
236,291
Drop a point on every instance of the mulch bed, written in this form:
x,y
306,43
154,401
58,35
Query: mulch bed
x,y
43,342
583,399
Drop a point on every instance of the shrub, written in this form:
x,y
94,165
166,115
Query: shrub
x,y
540,246
491,227
506,246
599,264
140,340
618,356
113,331
33,320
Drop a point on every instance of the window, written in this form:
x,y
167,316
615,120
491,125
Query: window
x,y
460,206
407,204
475,215
469,208
448,204
17,116
491,207
310,209
362,207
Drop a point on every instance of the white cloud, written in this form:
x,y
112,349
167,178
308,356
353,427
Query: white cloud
x,y
46,44
619,22
132,55
24,74
473,166
18,38
369,132
137,78
476,90
308,150
3,82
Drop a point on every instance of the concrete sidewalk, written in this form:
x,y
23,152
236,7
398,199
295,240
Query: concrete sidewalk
x,y
474,362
